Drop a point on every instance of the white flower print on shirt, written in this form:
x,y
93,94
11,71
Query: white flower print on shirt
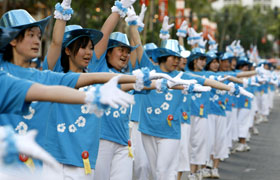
x,y
198,95
123,110
116,114
85,109
168,96
61,127
193,98
157,111
81,121
31,113
215,97
108,111
149,110
21,128
185,99
72,128
165,106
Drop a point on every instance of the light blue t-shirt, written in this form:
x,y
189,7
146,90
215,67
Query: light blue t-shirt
x,y
158,108
72,130
200,100
39,112
13,93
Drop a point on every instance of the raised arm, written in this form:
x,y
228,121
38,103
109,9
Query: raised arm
x,y
107,28
118,10
62,14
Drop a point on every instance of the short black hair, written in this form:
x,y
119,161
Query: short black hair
x,y
74,47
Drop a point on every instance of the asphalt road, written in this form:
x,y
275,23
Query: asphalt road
x,y
263,161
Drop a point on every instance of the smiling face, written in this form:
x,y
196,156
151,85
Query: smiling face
x,y
214,65
80,60
118,57
29,46
233,64
199,63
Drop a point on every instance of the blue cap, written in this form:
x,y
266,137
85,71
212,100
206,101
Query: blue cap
x,y
73,32
6,36
21,19
168,47
243,60
227,56
196,53
149,49
119,39
210,56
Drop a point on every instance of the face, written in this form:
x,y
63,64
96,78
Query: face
x,y
233,64
199,64
82,58
266,66
119,57
170,65
245,68
214,65
29,47
224,65
182,64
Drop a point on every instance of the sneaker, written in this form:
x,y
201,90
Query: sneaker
x,y
199,175
191,176
265,119
215,173
240,147
247,147
206,173
259,120
209,164
255,130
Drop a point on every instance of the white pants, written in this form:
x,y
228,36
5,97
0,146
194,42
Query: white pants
x,y
184,154
229,126
163,156
199,147
141,166
244,120
220,144
113,162
66,172
234,124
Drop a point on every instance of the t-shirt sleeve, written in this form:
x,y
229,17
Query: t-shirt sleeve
x,y
57,67
146,62
13,93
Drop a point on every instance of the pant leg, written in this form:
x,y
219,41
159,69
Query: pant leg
x,y
121,167
243,122
184,154
104,160
167,159
141,166
221,145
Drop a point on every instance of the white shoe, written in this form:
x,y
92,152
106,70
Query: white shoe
x,y
209,164
255,130
206,173
240,147
192,177
265,119
247,147
199,175
259,120
215,173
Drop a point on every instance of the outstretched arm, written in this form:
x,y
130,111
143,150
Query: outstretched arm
x,y
60,94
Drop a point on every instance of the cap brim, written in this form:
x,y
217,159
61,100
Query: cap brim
x,y
114,43
94,35
6,36
42,24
